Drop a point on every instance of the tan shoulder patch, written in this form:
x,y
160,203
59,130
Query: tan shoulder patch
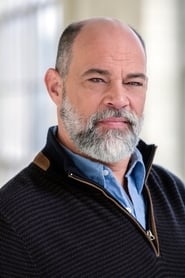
x,y
42,161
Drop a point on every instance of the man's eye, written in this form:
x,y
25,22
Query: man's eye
x,y
96,80
134,83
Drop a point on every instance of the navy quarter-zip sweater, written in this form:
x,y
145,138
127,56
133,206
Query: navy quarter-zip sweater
x,y
56,223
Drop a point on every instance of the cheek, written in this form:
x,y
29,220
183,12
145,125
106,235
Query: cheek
x,y
138,104
85,104
85,96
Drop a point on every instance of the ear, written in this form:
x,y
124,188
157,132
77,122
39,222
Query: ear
x,y
53,82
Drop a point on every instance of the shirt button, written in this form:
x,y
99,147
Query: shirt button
x,y
105,172
129,209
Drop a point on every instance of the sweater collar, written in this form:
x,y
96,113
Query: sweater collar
x,y
55,157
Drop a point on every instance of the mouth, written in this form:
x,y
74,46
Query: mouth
x,y
114,122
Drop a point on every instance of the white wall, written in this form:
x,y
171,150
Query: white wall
x,y
163,121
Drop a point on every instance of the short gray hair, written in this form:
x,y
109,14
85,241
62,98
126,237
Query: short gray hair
x,y
64,53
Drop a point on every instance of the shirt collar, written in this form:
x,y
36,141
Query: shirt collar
x,y
94,170
88,168
136,169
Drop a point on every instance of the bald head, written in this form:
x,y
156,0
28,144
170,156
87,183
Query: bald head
x,y
89,31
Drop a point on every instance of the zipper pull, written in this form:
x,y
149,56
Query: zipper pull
x,y
150,235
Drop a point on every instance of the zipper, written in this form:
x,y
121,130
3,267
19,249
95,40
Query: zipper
x,y
148,234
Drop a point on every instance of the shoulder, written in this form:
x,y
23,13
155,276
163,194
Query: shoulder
x,y
15,199
16,190
20,183
30,191
28,197
165,175
23,191
167,182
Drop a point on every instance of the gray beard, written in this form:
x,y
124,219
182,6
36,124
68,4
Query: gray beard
x,y
102,144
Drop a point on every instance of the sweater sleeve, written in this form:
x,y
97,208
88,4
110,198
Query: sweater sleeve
x,y
14,258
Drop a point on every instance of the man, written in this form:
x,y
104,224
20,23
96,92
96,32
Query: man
x,y
92,204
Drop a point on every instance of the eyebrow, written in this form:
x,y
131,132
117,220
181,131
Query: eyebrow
x,y
136,75
107,73
96,70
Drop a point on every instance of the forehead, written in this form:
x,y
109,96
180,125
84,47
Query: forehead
x,y
107,43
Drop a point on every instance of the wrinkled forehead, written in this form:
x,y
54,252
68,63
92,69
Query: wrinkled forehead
x,y
107,41
104,34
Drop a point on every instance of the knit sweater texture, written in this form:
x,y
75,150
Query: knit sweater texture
x,y
56,223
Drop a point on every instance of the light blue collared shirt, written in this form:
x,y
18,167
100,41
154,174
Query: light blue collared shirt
x,y
103,176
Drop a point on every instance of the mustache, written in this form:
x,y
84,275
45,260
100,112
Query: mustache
x,y
129,116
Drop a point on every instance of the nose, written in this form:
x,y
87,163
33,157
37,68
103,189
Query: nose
x,y
116,97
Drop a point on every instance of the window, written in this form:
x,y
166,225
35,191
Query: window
x,y
29,32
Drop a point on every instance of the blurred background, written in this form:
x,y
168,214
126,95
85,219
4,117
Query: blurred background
x,y
29,33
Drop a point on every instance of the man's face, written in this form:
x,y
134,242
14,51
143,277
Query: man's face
x,y
108,145
104,94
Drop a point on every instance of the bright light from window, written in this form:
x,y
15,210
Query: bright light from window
x,y
47,21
